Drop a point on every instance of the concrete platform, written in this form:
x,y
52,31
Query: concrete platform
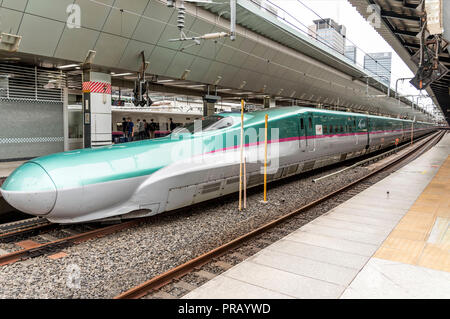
x,y
375,245
6,168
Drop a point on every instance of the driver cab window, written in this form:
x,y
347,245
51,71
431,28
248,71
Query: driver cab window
x,y
223,123
206,124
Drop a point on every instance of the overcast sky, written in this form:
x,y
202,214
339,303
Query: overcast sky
x,y
359,31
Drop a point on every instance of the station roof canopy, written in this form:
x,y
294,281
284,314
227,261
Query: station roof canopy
x,y
400,27
270,56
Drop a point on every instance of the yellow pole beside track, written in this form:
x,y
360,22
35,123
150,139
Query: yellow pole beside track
x,y
265,159
245,184
242,153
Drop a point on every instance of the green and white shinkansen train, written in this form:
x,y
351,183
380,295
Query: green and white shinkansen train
x,y
195,163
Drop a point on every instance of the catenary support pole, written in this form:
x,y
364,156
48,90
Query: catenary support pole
x,y
242,153
245,183
265,159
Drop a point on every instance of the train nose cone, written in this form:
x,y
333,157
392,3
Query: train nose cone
x,y
30,189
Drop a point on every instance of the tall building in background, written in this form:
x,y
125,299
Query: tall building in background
x,y
330,33
380,64
350,52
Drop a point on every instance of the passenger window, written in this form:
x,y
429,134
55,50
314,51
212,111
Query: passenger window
x,y
302,125
325,129
310,123
342,129
331,129
336,129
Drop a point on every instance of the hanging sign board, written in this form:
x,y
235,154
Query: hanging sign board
x,y
434,16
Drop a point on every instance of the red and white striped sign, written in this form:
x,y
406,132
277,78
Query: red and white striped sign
x,y
97,87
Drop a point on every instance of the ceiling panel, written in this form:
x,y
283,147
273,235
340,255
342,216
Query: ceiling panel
x,y
230,78
199,68
75,44
15,4
148,31
215,69
247,45
131,58
226,51
160,60
94,14
109,49
250,63
39,36
238,59
210,49
10,20
54,9
180,63
124,23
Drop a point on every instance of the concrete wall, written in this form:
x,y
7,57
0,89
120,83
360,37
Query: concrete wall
x,y
30,129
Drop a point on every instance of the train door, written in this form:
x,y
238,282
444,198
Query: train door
x,y
367,130
302,135
310,134
362,127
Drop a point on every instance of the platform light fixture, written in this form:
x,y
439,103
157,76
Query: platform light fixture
x,y
165,81
219,78
185,74
195,85
90,57
68,66
10,42
242,85
121,74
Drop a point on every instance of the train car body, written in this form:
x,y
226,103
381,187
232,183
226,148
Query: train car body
x,y
195,164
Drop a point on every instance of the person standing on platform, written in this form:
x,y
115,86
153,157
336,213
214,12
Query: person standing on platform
x,y
152,128
141,128
130,128
172,125
124,126
145,129
137,129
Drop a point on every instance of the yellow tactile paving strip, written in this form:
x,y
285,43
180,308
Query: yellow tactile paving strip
x,y
410,241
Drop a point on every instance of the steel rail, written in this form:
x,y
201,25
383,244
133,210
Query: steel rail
x,y
181,270
25,229
63,242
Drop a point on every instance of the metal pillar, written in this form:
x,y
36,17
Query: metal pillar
x,y
97,108
86,108
209,103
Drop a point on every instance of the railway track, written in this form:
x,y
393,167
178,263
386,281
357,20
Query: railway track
x,y
180,280
48,243
20,225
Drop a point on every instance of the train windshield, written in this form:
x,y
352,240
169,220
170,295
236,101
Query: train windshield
x,y
206,124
